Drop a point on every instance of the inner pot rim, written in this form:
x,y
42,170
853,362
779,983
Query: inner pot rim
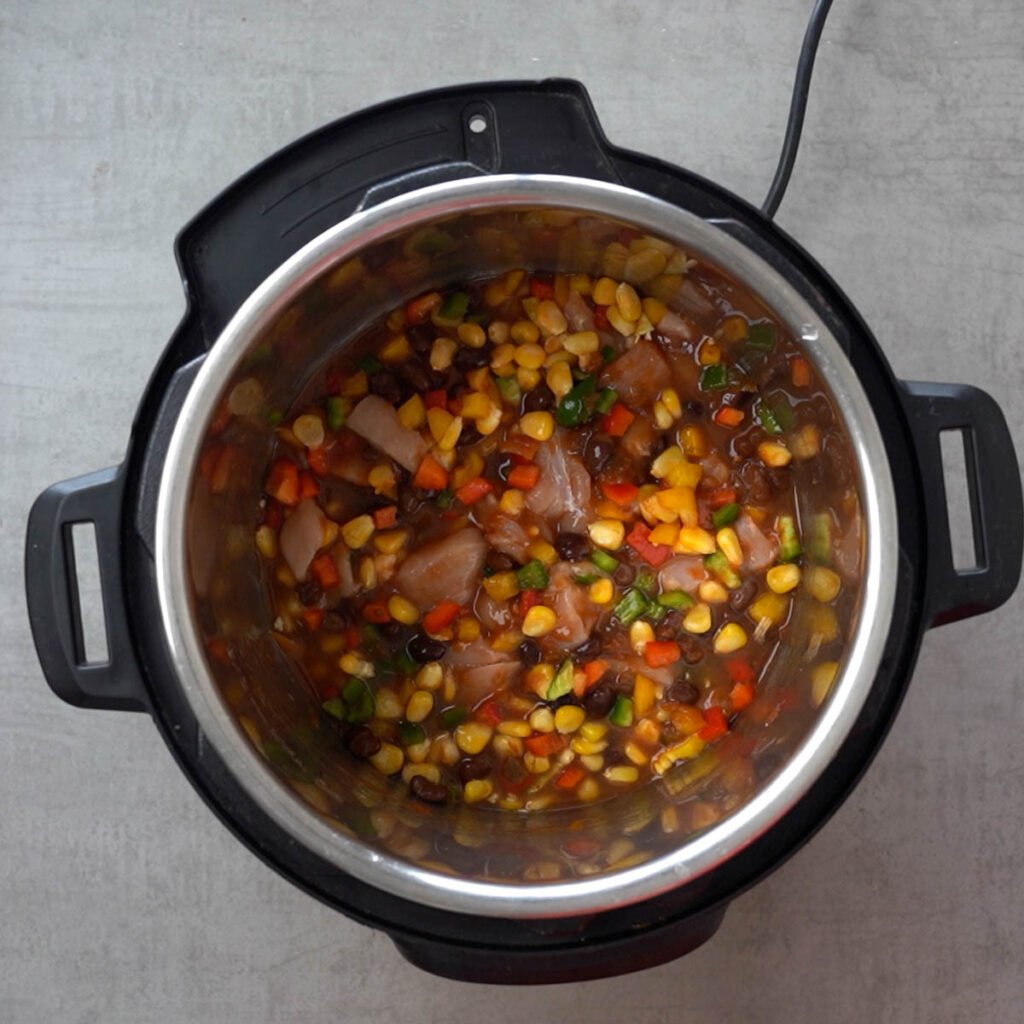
x,y
702,852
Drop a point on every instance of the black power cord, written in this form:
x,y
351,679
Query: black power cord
x,y
797,107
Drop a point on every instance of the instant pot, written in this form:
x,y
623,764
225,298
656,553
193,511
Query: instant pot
x,y
274,241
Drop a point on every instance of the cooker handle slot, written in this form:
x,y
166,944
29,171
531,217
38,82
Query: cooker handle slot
x,y
54,608
994,489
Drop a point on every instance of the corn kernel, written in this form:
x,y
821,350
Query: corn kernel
x,y
654,310
472,335
472,737
421,703
569,718
549,318
698,619
768,606
607,533
450,438
665,533
822,678
694,441
507,641
806,442
581,343
673,467
467,629
402,610
475,405
357,532
502,586
581,283
644,694
693,540
352,664
388,759
530,356
622,774
512,502
822,624
396,350
593,731
542,720
390,542
643,265
266,541
602,591
604,292
441,353
523,332
519,729
536,765
412,414
628,302
476,790
480,380
356,386
498,332
663,419
429,771
731,637
367,572
309,429
588,790
619,322
382,479
538,425
586,748
430,676
592,762
539,621
490,423
709,354
712,592
543,552
559,379
502,356
774,454
635,754
733,328
647,732
640,635
730,545
823,583
783,578
439,420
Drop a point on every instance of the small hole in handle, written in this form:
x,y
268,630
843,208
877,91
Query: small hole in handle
x,y
478,124
955,468
92,622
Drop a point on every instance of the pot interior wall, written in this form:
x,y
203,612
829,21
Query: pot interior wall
x,y
252,652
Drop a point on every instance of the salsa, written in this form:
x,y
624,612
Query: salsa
x,y
536,540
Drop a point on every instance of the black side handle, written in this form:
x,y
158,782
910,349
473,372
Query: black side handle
x,y
53,603
994,485
266,216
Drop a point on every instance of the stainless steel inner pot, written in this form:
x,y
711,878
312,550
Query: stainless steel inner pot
x,y
208,570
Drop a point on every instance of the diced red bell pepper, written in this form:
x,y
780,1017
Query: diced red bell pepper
x,y
474,490
519,445
545,744
715,725
541,289
593,670
741,696
722,496
601,318
441,616
308,485
524,477
740,670
273,515
800,372
527,599
431,475
652,554
570,778
620,493
661,653
436,400
617,420
352,638
324,571
215,466
385,517
313,617
417,310
283,482
488,712
729,416
317,459
376,612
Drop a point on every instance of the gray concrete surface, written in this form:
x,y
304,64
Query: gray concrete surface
x,y
123,900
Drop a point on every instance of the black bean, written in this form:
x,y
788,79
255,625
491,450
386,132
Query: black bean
x,y
424,789
471,358
530,652
334,622
691,648
613,757
539,399
624,574
385,384
425,648
572,547
597,453
669,626
743,595
309,592
695,408
476,767
392,630
408,501
682,692
561,702
498,561
758,485
416,375
598,700
363,743
470,435
589,648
